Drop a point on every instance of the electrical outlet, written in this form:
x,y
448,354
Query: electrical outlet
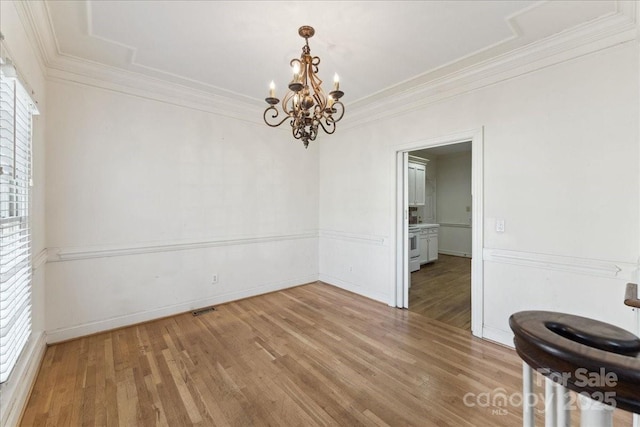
x,y
500,225
215,279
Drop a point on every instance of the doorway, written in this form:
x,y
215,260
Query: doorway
x,y
450,259
440,283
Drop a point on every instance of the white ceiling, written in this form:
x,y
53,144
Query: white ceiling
x,y
235,48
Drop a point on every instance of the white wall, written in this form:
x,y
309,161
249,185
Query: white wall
x,y
146,201
560,166
14,392
453,197
354,240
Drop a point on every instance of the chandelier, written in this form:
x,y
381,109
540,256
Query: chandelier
x,y
306,105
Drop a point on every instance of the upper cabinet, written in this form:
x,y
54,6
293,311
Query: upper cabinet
x,y
421,176
417,175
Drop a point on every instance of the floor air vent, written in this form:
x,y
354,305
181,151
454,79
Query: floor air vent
x,y
204,310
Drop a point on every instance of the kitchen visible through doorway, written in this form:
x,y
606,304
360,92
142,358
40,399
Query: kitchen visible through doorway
x,y
440,216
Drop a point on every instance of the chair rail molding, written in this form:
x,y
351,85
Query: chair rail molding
x,y
72,254
591,267
39,259
454,225
370,239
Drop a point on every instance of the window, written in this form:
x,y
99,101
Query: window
x,y
16,110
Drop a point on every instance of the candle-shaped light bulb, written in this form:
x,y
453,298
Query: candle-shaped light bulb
x,y
296,72
272,89
336,82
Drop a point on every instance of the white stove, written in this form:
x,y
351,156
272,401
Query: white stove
x,y
414,249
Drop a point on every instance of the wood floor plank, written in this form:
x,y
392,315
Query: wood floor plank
x,y
313,355
441,290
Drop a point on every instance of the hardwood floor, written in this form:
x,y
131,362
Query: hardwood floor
x,y
441,290
311,355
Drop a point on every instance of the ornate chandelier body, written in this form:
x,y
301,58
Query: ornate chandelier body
x,y
305,104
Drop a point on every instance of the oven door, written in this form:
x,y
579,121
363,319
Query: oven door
x,y
414,248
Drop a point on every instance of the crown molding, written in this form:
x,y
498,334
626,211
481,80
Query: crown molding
x,y
36,22
435,85
611,30
73,70
60,67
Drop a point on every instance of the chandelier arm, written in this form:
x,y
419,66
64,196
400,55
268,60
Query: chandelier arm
x,y
338,110
285,102
315,61
316,82
320,104
297,131
275,114
318,93
331,125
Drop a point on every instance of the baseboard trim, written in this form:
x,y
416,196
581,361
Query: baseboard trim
x,y
72,332
454,253
352,287
14,395
498,335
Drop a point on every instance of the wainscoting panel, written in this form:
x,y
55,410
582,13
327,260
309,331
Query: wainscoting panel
x,y
346,261
517,281
87,293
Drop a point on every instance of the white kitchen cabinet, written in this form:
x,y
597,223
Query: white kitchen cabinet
x,y
424,246
411,176
421,177
433,245
428,244
417,175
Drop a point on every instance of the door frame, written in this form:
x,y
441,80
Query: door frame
x,y
400,287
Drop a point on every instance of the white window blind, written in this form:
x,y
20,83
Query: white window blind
x,y
16,109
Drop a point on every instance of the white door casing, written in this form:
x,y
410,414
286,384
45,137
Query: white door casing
x,y
400,289
401,292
